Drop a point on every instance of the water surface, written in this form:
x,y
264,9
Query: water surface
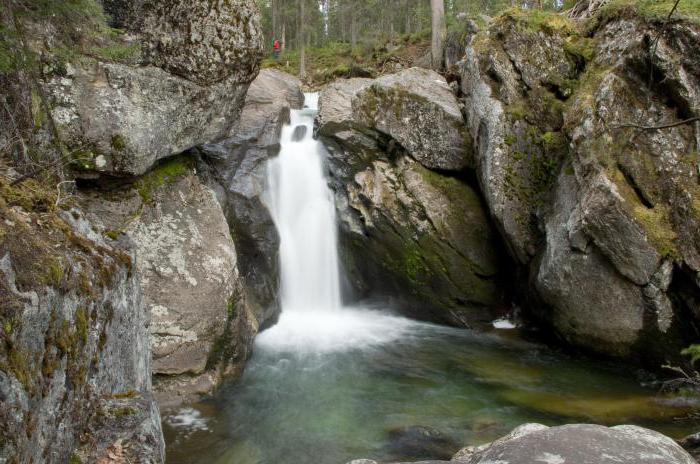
x,y
338,394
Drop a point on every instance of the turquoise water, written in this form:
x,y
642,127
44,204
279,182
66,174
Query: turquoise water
x,y
304,401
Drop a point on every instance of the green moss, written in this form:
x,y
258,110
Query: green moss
x,y
126,394
75,459
654,221
118,52
517,110
118,143
535,20
168,171
113,234
650,10
123,411
37,110
412,262
580,47
231,308
81,325
54,272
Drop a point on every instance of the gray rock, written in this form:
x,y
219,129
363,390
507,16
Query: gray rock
x,y
126,428
406,232
237,169
185,90
580,444
75,330
592,213
190,277
299,133
418,110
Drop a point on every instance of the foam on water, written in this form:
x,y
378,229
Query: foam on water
x,y
326,332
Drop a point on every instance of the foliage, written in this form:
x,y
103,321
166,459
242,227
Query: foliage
x,y
365,25
651,10
693,351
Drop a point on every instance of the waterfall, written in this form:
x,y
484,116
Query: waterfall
x,y
302,208
313,318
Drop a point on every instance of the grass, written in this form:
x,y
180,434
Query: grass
x,y
536,20
651,10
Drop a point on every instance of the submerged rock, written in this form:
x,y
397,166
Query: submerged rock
x,y
420,442
406,232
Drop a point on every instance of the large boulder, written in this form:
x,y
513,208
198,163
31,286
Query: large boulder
x,y
597,205
74,332
406,232
418,110
580,444
236,168
201,327
183,84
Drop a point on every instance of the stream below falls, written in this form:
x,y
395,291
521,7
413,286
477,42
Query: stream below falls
x,y
330,383
304,402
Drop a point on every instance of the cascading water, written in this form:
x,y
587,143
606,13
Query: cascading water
x,y
302,207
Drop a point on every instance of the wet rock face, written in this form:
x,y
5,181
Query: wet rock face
x,y
75,332
602,215
236,169
406,232
178,91
190,277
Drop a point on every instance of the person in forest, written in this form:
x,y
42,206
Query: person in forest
x,y
276,49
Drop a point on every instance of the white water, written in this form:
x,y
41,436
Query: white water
x,y
302,207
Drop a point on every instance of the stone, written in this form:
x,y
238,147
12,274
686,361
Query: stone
x,y
592,218
181,91
126,427
299,133
407,232
418,110
580,444
190,278
76,331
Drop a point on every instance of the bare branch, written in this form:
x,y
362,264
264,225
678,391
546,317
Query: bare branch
x,y
663,126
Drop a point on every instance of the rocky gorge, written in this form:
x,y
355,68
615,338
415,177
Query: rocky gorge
x,y
557,172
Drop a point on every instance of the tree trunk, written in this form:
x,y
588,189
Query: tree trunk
x,y
353,30
302,41
437,8
284,35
